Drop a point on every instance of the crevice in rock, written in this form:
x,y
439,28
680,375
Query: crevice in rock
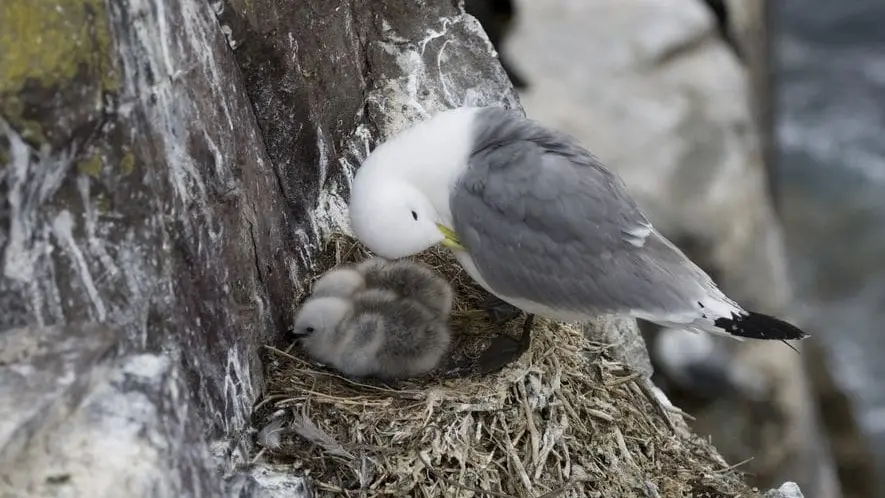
x,y
257,260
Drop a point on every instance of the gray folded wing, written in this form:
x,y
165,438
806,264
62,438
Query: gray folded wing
x,y
544,221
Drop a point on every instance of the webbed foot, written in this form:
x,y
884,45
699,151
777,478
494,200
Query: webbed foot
x,y
463,367
504,349
499,310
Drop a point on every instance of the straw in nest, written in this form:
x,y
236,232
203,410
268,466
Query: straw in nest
x,y
564,420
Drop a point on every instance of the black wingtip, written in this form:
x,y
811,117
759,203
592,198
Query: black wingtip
x,y
760,326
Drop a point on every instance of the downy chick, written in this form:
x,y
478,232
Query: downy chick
x,y
410,280
374,333
342,281
406,279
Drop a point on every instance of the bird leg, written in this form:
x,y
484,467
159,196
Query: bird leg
x,y
525,340
505,349
498,310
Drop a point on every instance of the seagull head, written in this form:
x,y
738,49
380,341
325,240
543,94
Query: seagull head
x,y
318,318
399,198
392,218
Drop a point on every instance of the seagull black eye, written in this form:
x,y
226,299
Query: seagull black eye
x,y
309,329
414,216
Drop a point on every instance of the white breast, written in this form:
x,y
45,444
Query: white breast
x,y
526,305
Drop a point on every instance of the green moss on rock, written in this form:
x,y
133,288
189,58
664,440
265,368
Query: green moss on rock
x,y
91,166
11,107
127,164
103,204
48,41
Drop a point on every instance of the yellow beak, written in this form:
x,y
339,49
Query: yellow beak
x,y
450,239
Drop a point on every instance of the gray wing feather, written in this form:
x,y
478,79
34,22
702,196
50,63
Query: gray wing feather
x,y
544,220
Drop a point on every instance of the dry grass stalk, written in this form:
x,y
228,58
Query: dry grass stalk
x,y
562,421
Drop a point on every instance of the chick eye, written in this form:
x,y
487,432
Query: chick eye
x,y
309,329
414,216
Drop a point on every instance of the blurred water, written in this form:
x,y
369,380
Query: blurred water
x,y
831,98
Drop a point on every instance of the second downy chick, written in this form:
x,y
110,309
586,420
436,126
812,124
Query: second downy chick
x,y
405,278
373,333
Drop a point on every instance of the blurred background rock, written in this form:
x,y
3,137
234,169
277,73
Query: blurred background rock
x,y
750,131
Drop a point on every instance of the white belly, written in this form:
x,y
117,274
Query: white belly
x,y
688,319
528,306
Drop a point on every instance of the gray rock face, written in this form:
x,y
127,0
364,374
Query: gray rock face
x,y
627,344
157,211
169,170
84,422
43,372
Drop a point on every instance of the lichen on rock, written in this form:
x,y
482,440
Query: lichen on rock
x,y
44,47
48,41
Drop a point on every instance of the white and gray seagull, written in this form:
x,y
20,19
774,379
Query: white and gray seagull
x,y
540,223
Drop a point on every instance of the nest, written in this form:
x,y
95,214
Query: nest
x,y
564,420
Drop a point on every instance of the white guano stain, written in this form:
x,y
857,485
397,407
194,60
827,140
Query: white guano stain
x,y
173,113
32,178
147,366
238,387
63,229
433,34
322,156
331,215
18,259
418,94
201,31
96,245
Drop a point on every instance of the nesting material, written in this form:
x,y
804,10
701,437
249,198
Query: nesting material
x,y
562,421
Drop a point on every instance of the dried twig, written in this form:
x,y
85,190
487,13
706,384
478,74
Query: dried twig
x,y
560,412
